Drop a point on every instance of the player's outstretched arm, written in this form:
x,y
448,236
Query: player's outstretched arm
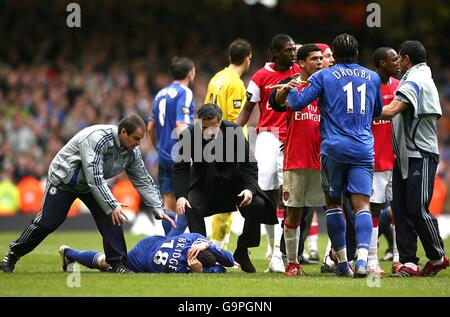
x,y
392,109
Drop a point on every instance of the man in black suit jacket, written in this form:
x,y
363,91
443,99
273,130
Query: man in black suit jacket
x,y
216,170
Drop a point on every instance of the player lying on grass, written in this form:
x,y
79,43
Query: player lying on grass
x,y
188,252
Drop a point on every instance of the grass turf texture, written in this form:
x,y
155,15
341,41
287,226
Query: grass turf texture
x,y
39,274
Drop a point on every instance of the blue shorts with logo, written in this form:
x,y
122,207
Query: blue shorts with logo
x,y
338,177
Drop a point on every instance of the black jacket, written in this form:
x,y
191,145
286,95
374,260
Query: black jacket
x,y
239,168
185,175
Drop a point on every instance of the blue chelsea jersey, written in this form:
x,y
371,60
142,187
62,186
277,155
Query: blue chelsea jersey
x,y
349,98
172,103
169,255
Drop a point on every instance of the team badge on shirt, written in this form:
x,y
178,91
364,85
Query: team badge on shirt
x,y
237,103
285,195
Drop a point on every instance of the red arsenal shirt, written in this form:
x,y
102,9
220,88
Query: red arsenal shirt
x,y
257,92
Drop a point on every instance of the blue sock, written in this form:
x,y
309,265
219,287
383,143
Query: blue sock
x,y
86,258
181,223
336,228
166,225
363,228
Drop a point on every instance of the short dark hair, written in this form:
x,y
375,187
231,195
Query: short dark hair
x,y
131,123
239,50
345,49
415,50
279,41
209,111
180,67
380,54
303,52
207,258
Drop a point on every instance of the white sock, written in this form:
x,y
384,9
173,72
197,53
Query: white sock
x,y
270,234
312,242
292,239
226,240
362,254
278,232
341,255
372,257
396,256
99,260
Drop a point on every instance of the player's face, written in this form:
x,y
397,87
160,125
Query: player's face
x,y
286,55
210,128
392,63
313,63
248,61
130,141
404,63
328,59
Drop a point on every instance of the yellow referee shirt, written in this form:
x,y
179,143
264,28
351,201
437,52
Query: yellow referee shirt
x,y
227,90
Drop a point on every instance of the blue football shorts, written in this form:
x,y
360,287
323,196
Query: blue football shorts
x,y
337,177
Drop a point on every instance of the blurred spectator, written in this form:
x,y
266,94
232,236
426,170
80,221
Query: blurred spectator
x,y
9,194
31,195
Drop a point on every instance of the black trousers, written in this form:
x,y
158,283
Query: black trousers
x,y
55,207
411,198
204,203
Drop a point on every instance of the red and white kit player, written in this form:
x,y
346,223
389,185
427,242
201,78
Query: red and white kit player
x,y
302,188
271,130
387,65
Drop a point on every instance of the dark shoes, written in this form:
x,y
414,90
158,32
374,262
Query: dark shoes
x,y
431,270
9,262
405,271
428,270
119,267
325,268
241,257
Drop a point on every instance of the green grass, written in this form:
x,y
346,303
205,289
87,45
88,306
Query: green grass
x,y
39,274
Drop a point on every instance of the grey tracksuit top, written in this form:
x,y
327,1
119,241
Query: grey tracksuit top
x,y
94,155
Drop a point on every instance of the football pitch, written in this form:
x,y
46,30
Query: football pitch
x,y
39,274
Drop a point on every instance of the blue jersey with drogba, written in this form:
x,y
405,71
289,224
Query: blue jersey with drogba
x,y
349,97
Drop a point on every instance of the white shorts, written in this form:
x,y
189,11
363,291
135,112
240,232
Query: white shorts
x,y
303,188
270,161
381,187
